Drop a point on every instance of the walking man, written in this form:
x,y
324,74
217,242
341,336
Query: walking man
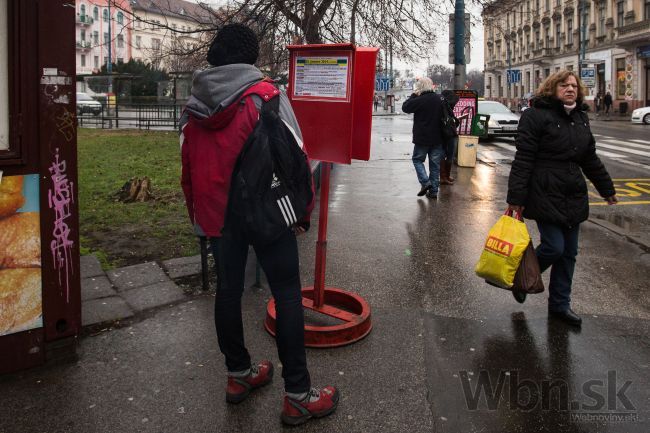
x,y
608,103
426,106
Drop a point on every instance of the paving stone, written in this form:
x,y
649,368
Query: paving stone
x,y
90,266
183,267
104,310
155,295
96,287
135,276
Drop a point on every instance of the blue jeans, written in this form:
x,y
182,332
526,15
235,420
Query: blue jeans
x,y
280,263
435,155
558,250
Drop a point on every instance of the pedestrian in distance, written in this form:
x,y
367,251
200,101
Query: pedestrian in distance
x,y
222,112
426,106
376,102
608,103
449,100
598,103
555,151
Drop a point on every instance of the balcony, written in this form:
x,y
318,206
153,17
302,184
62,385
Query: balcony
x,y
635,32
495,64
84,45
85,20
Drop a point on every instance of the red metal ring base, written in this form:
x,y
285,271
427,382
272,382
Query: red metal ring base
x,y
354,311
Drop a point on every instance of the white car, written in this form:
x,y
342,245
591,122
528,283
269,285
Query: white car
x,y
502,123
641,115
86,104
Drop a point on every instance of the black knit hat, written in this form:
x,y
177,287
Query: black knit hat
x,y
234,43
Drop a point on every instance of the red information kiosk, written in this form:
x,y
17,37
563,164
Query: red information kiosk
x,y
40,305
331,90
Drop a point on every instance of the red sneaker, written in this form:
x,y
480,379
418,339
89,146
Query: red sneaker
x,y
317,404
239,387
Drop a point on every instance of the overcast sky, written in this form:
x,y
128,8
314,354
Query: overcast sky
x,y
441,51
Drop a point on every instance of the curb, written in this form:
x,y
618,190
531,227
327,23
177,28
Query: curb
x,y
637,240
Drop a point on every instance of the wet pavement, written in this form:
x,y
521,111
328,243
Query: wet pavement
x,y
440,334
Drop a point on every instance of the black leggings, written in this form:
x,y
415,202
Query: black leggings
x,y
279,261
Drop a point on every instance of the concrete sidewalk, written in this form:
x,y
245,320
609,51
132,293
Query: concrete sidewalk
x,y
437,328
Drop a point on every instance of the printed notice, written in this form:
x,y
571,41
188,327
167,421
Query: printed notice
x,y
325,77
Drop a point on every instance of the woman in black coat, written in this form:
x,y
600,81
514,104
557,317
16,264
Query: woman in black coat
x,y
554,148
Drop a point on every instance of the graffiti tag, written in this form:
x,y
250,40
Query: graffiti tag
x,y
60,198
65,125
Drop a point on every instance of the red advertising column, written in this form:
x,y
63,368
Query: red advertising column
x,y
40,309
331,90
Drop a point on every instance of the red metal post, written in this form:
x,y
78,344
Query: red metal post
x,y
321,244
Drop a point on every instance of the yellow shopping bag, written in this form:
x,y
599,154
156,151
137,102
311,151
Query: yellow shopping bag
x,y
504,247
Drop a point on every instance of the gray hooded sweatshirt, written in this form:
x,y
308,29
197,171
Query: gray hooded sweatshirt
x,y
216,88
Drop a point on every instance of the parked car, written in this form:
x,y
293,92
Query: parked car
x,y
641,115
86,104
502,123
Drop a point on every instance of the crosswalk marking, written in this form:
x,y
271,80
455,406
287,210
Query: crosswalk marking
x,y
624,143
621,149
642,142
609,154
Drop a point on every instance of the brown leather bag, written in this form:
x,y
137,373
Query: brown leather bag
x,y
528,278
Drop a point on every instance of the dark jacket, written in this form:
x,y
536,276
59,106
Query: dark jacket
x,y
608,99
554,149
427,108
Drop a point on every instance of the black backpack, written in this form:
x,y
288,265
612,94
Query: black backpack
x,y
448,122
271,187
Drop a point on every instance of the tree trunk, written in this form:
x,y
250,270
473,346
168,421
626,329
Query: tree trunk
x,y
136,189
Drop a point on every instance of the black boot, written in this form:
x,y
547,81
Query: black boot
x,y
424,190
519,296
567,316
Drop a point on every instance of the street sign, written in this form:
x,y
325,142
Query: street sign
x,y
382,84
588,76
513,76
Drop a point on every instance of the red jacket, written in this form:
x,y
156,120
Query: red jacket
x,y
210,149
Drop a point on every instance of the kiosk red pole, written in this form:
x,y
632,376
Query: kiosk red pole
x,y
321,244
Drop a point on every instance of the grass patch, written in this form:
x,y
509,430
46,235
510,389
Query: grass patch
x,y
129,233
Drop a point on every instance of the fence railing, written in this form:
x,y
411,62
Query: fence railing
x,y
137,116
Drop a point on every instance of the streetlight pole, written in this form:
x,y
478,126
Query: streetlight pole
x,y
582,30
459,45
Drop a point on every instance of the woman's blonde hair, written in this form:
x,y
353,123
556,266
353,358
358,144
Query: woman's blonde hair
x,y
549,85
423,84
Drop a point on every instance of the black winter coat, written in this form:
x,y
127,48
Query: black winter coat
x,y
554,149
426,122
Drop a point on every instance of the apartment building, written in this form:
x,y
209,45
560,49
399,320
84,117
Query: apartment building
x,y
147,30
538,37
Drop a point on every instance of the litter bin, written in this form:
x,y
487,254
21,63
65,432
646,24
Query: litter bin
x,y
467,147
622,108
480,125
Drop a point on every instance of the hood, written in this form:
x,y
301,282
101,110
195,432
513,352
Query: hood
x,y
550,102
216,88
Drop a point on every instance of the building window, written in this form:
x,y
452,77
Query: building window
x,y
601,19
620,78
96,37
120,18
138,41
620,14
548,5
95,13
558,35
537,6
569,67
83,61
105,15
569,31
527,43
558,2
120,41
96,62
82,35
646,10
105,60
120,60
547,32
106,40
82,11
538,40
155,44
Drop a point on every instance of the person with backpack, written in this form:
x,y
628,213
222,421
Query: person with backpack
x,y
450,135
427,138
236,133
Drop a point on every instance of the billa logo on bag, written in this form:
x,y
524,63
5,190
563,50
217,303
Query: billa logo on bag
x,y
498,246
